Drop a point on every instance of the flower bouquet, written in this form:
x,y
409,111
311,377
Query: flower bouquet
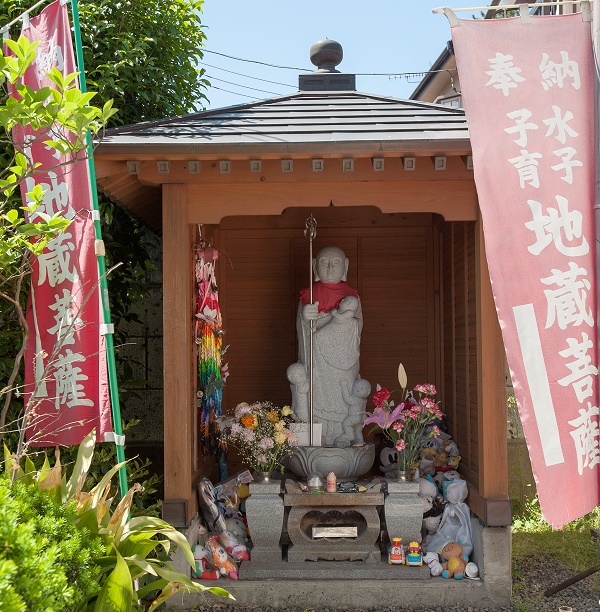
x,y
407,424
259,431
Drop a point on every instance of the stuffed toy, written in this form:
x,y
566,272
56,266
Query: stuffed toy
x,y
440,459
451,448
237,551
427,452
202,568
433,562
220,559
454,560
237,526
453,461
426,465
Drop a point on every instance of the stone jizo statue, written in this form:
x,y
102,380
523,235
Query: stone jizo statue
x,y
337,324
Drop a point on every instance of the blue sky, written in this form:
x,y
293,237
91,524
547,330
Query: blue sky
x,y
381,36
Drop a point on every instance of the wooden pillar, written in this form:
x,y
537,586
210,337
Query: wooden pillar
x,y
492,434
179,398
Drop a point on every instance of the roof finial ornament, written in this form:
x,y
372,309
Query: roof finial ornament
x,y
326,55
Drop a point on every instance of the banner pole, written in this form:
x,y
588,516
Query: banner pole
x,y
119,438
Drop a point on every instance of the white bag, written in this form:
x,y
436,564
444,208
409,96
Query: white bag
x,y
455,525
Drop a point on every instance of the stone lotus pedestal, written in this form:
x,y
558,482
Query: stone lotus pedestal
x,y
264,513
346,463
403,511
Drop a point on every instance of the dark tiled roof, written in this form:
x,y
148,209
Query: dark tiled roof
x,y
308,120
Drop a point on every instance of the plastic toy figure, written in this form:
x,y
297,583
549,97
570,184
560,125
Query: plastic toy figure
x,y
414,555
396,556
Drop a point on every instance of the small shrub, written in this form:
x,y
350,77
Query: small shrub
x,y
45,564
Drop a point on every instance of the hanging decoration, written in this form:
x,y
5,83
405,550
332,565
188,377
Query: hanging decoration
x,y
212,373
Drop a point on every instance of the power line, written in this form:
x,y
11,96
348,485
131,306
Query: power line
x,y
240,59
387,74
235,93
273,93
249,76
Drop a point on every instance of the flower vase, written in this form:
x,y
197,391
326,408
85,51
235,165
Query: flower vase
x,y
403,475
264,477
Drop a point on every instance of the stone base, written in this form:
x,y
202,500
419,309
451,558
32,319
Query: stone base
x,y
334,570
273,584
346,463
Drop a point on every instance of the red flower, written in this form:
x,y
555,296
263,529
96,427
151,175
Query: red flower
x,y
381,397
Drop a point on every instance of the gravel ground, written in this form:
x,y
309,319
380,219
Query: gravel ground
x,y
530,579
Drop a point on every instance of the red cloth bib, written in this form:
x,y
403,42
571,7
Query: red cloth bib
x,y
329,295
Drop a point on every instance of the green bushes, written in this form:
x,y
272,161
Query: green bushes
x,y
107,552
45,564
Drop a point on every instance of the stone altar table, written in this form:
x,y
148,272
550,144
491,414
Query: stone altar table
x,y
336,509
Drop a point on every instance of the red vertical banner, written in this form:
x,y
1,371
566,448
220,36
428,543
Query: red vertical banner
x,y
528,92
66,380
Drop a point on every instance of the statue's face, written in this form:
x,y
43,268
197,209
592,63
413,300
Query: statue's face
x,y
331,264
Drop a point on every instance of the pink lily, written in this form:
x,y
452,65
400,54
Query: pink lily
x,y
382,417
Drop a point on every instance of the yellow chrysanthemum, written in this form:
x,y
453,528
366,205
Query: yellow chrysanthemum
x,y
280,437
286,411
279,425
273,416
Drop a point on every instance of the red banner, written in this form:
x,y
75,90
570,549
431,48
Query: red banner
x,y
66,379
528,91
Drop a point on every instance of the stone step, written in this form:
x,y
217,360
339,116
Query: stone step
x,y
336,570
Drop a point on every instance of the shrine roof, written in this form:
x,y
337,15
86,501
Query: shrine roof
x,y
306,122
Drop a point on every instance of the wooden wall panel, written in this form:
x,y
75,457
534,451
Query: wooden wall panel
x,y
264,265
459,321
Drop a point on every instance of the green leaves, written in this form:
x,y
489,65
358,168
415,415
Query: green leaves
x,y
116,594
130,545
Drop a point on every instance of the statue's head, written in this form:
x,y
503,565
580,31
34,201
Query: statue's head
x,y
361,388
296,373
330,265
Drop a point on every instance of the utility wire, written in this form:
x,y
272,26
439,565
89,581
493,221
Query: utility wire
x,y
387,74
273,93
248,76
234,92
255,61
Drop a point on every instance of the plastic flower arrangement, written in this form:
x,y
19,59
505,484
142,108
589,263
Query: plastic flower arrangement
x,y
409,422
259,431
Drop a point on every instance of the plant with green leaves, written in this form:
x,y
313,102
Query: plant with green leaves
x,y
45,564
133,546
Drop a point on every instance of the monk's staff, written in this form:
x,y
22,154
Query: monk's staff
x,y
310,232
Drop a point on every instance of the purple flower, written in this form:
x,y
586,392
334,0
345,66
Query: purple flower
x,y
242,409
266,443
248,435
236,428
382,417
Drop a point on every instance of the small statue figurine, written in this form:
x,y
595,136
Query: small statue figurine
x,y
357,403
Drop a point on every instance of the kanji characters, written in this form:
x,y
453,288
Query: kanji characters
x,y
567,305
54,262
586,437
568,163
555,74
551,227
559,123
526,164
69,377
503,73
521,126
582,369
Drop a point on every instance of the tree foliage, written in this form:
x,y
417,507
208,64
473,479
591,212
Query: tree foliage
x,y
143,54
